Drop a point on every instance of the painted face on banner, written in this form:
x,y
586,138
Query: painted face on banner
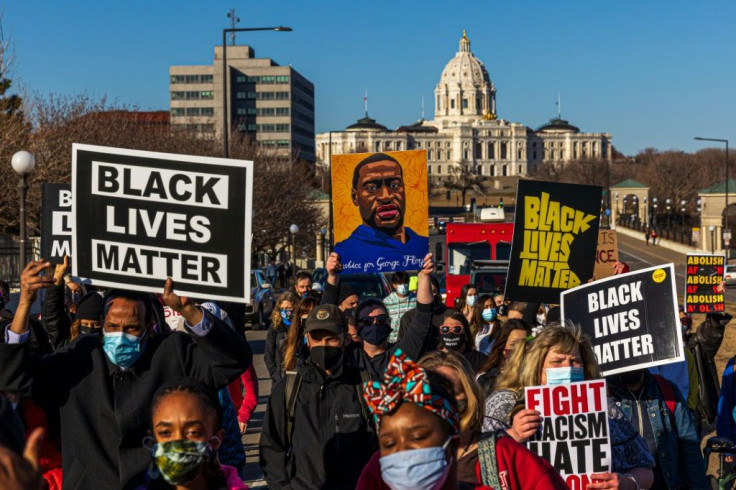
x,y
380,196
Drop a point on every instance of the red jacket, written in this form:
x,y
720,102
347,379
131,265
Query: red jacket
x,y
518,468
244,392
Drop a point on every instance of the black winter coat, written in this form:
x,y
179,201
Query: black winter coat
x,y
331,440
105,411
54,317
273,356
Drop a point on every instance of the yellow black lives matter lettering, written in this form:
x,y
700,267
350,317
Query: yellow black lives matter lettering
x,y
549,230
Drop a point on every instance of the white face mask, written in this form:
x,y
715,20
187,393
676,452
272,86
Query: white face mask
x,y
402,289
541,319
471,299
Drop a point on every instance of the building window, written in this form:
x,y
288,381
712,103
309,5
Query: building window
x,y
282,95
518,154
429,169
449,154
439,154
207,94
503,152
465,103
452,103
465,154
282,111
282,79
534,155
439,169
177,111
491,151
438,103
504,171
429,154
378,146
191,79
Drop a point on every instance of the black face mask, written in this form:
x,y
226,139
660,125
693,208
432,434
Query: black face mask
x,y
630,378
83,330
375,334
453,341
327,357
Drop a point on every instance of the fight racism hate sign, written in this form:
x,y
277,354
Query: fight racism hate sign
x,y
632,319
574,436
555,240
140,217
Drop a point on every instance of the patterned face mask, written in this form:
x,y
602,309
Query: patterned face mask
x,y
180,461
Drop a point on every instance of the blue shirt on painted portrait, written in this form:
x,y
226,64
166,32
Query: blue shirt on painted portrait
x,y
367,245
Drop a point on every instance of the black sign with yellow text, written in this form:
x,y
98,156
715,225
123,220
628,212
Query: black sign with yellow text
x,y
702,285
555,240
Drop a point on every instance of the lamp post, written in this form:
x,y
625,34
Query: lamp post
x,y
654,213
646,213
23,163
712,230
323,232
726,229
233,30
294,229
668,203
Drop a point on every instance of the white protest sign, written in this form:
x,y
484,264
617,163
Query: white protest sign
x,y
574,436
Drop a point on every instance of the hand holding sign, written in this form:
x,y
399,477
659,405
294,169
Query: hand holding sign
x,y
180,304
525,424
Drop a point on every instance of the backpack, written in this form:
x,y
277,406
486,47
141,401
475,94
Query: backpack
x,y
294,383
488,459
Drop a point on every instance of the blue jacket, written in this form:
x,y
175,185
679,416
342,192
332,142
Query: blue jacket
x,y
678,448
725,424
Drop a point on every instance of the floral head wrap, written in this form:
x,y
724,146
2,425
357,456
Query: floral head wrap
x,y
404,380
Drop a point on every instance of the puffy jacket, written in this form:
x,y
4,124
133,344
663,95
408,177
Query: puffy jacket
x,y
273,355
331,441
678,448
704,345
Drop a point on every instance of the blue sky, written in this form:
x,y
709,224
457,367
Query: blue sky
x,y
653,73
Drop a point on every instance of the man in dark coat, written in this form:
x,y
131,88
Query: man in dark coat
x,y
316,432
103,387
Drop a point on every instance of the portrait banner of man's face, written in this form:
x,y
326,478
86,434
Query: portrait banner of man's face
x,y
380,208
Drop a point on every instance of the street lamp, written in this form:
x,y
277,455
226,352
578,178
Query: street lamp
x,y
712,230
294,229
654,213
225,126
726,229
323,232
23,163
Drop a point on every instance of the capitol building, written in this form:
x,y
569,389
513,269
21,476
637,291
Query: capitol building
x,y
467,131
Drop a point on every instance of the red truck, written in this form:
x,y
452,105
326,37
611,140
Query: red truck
x,y
468,242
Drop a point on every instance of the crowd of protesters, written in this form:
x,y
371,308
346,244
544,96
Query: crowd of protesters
x,y
101,391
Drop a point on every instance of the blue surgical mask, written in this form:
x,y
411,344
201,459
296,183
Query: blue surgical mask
x,y
489,314
564,375
471,299
416,469
402,289
122,348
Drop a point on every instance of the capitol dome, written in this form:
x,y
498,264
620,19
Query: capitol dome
x,y
465,90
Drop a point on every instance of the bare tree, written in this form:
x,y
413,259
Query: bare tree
x,y
464,180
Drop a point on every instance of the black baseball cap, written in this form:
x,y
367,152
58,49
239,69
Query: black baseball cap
x,y
326,317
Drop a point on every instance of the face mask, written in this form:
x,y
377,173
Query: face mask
x,y
326,357
181,460
375,334
416,469
122,349
402,289
564,375
286,316
462,406
541,320
453,341
83,330
489,314
470,299
305,294
630,378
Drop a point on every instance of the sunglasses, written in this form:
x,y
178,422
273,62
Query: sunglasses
x,y
367,321
445,329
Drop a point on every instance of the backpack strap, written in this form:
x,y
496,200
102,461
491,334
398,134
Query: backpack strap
x,y
488,459
669,396
293,383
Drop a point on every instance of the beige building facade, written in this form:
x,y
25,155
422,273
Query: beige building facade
x,y
272,104
466,131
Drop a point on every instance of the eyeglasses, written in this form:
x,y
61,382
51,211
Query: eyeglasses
x,y
367,321
445,329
